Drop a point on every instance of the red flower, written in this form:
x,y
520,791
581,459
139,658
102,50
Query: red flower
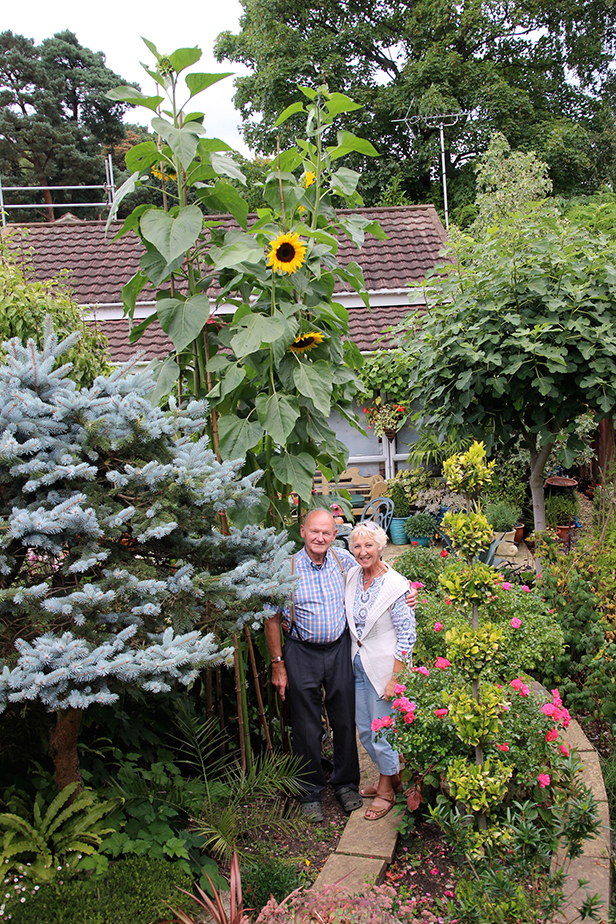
x,y
444,553
551,735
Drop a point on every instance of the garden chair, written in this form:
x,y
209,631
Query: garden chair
x,y
379,511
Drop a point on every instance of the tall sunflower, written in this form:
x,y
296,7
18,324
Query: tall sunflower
x,y
308,341
287,253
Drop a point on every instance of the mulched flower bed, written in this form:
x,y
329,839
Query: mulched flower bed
x,y
422,871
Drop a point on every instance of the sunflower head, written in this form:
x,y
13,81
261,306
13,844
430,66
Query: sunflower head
x,y
287,253
307,341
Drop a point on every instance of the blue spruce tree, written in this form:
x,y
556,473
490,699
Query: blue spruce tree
x,y
113,569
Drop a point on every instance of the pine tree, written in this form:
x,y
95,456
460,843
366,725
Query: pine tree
x,y
113,569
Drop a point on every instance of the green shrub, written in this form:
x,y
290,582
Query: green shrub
x,y
420,525
421,564
535,644
134,892
561,509
261,880
502,516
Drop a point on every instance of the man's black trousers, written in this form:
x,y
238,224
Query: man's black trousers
x,y
310,667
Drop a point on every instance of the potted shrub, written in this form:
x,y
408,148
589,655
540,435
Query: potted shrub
x,y
503,516
402,508
420,528
560,512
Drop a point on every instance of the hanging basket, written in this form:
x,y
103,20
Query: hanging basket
x,y
390,433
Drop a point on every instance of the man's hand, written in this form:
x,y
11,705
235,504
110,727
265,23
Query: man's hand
x,y
279,678
411,597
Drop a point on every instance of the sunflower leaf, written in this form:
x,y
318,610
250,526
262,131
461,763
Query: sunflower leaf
x,y
172,237
288,112
255,330
314,381
295,471
277,413
237,435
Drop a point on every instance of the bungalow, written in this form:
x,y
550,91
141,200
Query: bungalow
x,y
98,267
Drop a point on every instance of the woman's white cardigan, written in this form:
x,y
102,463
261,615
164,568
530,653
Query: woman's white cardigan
x,y
378,642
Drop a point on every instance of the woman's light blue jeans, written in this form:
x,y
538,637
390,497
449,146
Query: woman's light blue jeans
x,y
368,707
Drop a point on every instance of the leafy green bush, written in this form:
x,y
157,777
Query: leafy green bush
x,y
535,643
261,880
424,565
387,371
561,509
134,892
420,525
502,516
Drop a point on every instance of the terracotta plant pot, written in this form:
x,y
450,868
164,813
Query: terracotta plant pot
x,y
519,533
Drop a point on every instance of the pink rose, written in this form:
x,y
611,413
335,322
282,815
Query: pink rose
x,y
424,600
503,747
400,688
409,717
551,735
526,588
448,602
438,626
564,750
442,663
517,684
422,670
376,725
441,712
506,585
556,697
548,709
516,623
544,780
386,721
524,691
444,553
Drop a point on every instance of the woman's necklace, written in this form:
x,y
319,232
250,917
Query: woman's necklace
x,y
368,579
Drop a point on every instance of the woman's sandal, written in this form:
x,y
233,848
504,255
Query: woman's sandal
x,y
370,791
377,812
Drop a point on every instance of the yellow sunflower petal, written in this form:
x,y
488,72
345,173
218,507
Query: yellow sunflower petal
x,y
287,253
309,178
308,341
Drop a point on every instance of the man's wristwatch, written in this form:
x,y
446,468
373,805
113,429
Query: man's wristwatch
x,y
276,660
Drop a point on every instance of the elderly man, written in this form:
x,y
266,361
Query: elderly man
x,y
317,655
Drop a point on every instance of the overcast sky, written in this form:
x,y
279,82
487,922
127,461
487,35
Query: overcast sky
x,y
115,28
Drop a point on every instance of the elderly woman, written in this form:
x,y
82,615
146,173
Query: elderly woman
x,y
382,628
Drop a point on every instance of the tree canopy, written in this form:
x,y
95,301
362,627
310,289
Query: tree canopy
x,y
519,337
54,116
537,72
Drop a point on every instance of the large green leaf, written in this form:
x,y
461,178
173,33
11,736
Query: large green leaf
x,y
295,471
288,112
344,181
237,435
131,95
181,320
182,141
338,103
198,82
238,248
172,236
225,198
166,375
313,380
255,330
225,166
234,376
349,144
131,290
184,57
277,413
142,157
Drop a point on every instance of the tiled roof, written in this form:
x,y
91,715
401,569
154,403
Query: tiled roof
x,y
97,268
366,332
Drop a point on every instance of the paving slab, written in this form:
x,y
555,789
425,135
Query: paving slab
x,y
352,873
596,874
369,838
575,738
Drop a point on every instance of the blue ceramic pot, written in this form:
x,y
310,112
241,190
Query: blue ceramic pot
x,y
419,540
397,531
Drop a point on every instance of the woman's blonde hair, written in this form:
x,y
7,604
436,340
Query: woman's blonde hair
x,y
371,530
